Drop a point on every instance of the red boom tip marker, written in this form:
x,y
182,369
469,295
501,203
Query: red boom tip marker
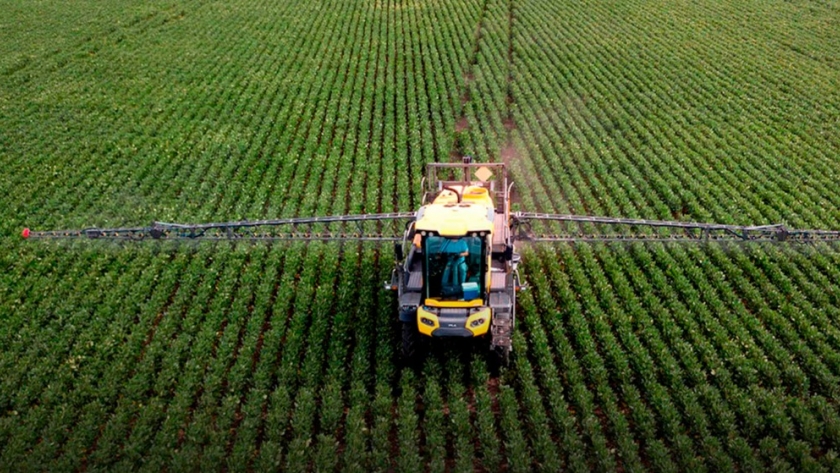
x,y
25,233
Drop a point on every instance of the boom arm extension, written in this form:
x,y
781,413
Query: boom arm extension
x,y
386,227
369,227
680,231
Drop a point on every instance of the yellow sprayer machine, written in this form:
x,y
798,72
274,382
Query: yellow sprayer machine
x,y
456,262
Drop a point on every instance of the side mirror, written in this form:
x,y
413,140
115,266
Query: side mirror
x,y
398,251
393,284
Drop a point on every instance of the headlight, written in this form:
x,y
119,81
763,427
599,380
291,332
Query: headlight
x,y
477,322
427,321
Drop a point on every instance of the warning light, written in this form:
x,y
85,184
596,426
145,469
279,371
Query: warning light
x,y
25,233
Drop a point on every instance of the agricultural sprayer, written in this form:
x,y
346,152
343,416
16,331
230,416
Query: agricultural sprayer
x,y
456,258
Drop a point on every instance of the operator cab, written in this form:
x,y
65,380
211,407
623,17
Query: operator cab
x,y
454,267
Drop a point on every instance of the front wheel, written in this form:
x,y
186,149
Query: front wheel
x,y
499,357
412,349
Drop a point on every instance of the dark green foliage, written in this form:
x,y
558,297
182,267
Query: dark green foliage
x,y
282,356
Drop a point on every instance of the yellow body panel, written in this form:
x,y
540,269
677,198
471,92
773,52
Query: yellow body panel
x,y
423,328
484,315
485,325
454,304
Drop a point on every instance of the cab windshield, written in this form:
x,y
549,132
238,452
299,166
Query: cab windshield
x,y
453,267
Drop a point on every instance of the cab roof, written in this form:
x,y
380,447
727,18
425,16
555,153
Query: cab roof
x,y
454,219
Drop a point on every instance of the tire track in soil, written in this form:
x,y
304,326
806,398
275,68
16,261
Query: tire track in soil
x,y
508,152
461,123
508,155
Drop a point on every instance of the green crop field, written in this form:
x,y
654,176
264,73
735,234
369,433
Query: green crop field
x,y
159,356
